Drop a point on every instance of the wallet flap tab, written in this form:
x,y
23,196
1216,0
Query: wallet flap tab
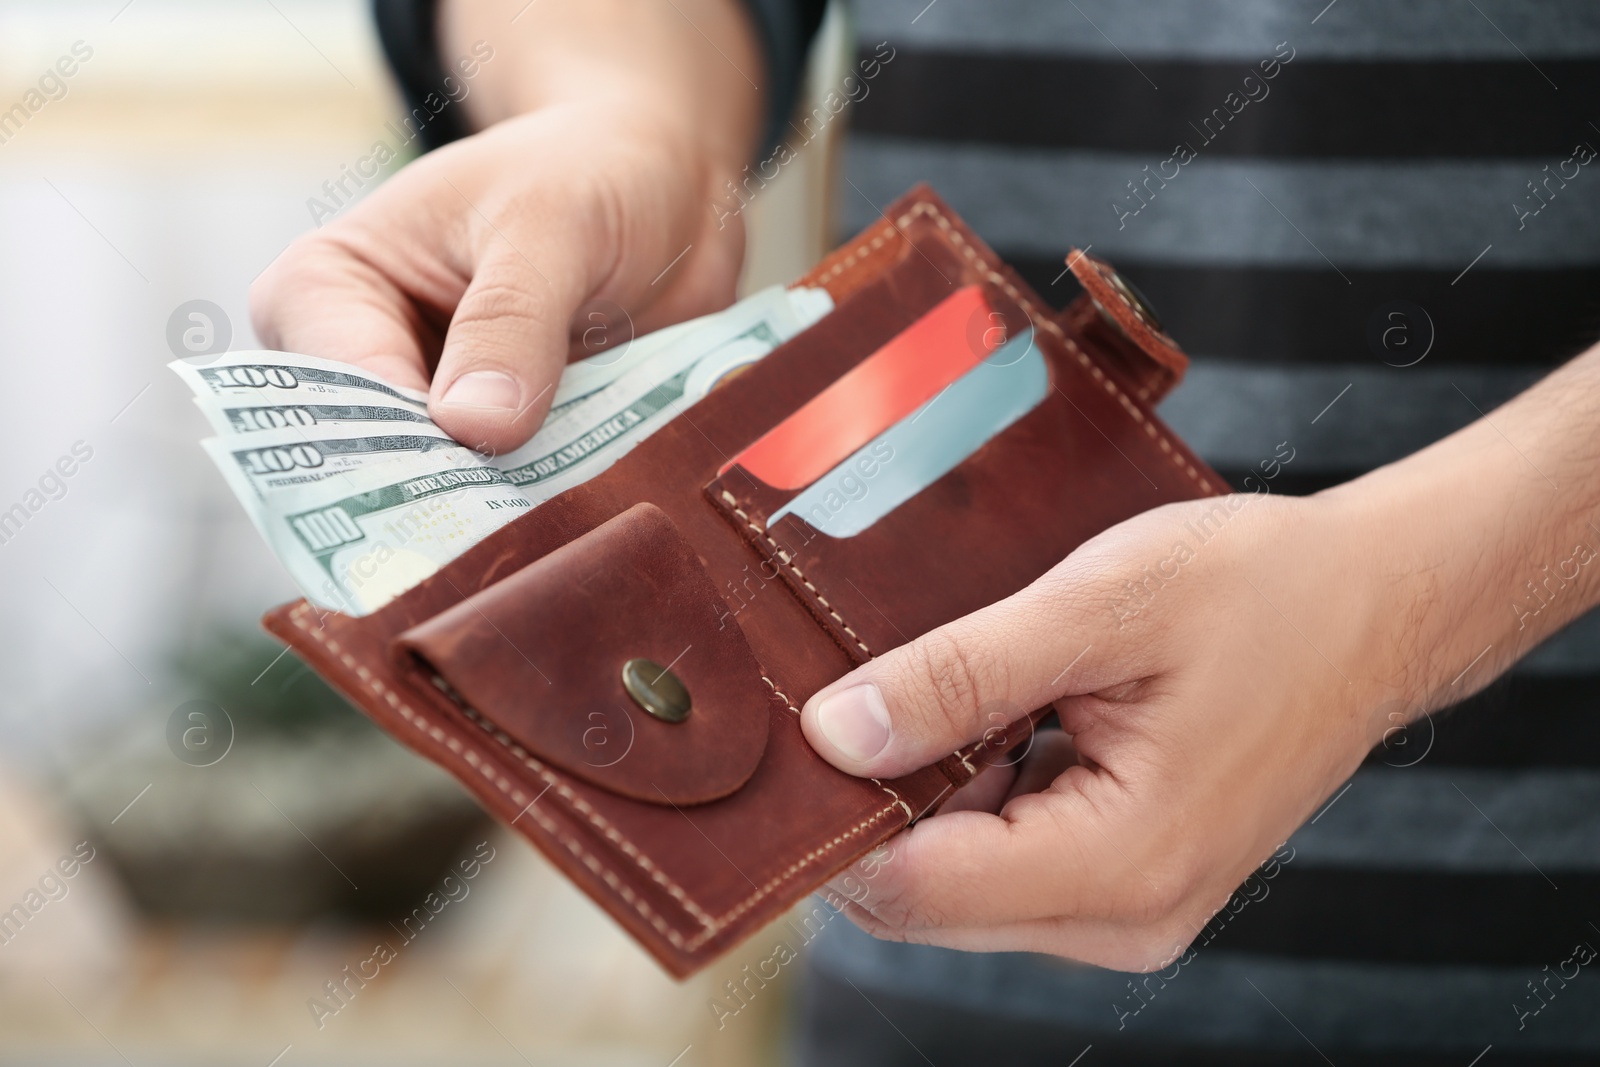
x,y
542,656
1125,326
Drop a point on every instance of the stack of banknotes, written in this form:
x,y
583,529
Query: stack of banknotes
x,y
362,496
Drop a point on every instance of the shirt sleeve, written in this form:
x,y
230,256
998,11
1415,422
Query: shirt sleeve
x,y
409,32
786,29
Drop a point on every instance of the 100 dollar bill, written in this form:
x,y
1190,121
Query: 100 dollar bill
x,y
257,466
259,391
286,376
600,429
259,418
354,543
360,507
357,543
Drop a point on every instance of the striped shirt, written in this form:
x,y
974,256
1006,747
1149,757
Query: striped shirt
x,y
1368,222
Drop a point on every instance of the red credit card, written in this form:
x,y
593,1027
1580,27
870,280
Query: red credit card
x,y
875,394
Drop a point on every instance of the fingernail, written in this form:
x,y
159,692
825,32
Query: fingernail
x,y
483,389
855,721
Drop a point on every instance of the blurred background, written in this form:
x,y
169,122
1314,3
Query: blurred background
x,y
200,837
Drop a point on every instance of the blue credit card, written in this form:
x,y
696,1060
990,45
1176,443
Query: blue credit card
x,y
925,445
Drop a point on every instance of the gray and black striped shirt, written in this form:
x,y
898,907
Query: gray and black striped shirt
x,y
1366,221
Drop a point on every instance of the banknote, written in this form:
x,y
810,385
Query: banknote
x,y
251,391
229,418
361,495
258,465
604,426
354,543
259,391
286,378
587,376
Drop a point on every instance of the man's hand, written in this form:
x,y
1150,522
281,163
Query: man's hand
x,y
1206,708
1218,668
613,129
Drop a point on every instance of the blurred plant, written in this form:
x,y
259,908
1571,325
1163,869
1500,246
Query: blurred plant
x,y
270,800
267,689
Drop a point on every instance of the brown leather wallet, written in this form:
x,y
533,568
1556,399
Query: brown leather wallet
x,y
505,668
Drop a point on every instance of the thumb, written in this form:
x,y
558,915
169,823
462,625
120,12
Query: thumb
x,y
920,702
503,354
511,333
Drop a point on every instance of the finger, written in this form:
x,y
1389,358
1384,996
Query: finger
x,y
1064,871
511,334
503,354
1116,946
1047,759
986,793
923,700
1016,911
319,299
1066,852
1045,756
1125,940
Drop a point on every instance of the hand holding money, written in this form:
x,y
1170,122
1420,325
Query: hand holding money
x,y
462,276
362,495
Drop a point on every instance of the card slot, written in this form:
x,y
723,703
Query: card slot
x,y
985,529
885,387
926,444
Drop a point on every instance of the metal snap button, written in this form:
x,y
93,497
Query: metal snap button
x,y
1135,300
656,690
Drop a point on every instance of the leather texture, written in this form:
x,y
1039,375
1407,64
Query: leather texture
x,y
495,666
552,680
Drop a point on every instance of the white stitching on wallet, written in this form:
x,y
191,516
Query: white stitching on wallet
x,y
865,249
790,705
1054,328
781,694
733,504
794,869
897,798
862,251
561,788
710,926
612,834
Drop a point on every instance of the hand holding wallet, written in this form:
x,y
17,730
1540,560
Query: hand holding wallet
x,y
616,673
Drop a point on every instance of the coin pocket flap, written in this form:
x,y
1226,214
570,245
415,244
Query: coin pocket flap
x,y
540,656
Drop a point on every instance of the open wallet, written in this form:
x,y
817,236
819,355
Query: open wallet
x,y
706,815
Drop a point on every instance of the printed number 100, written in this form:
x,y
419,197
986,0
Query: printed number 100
x,y
325,529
